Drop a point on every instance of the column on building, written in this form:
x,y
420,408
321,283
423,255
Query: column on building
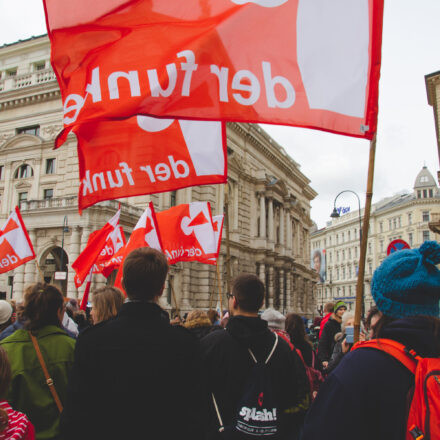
x,y
262,272
262,231
30,271
282,295
282,226
18,283
184,293
74,250
270,287
288,230
288,304
270,219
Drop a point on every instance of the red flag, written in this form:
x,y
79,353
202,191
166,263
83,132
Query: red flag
x,y
308,63
144,155
85,297
145,233
187,232
217,223
91,252
15,245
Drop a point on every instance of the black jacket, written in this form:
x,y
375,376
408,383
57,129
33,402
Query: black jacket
x,y
228,363
367,392
135,376
327,341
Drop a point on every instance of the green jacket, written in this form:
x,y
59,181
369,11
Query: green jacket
x,y
29,392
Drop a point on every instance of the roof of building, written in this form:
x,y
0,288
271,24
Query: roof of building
x,y
424,179
24,40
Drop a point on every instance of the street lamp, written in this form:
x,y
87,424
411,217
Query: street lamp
x,y
65,229
335,214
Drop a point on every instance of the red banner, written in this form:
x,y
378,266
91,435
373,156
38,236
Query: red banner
x,y
187,233
87,258
115,242
15,246
144,155
309,63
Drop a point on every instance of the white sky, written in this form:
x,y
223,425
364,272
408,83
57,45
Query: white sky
x,y
406,134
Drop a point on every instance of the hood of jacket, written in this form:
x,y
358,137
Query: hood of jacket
x,y
248,331
414,332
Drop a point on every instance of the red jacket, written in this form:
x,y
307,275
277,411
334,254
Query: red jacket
x,y
19,426
323,322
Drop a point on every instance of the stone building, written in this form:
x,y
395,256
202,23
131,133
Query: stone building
x,y
268,197
404,216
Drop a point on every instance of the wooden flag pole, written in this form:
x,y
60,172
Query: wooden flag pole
x,y
364,241
170,280
220,292
228,249
39,270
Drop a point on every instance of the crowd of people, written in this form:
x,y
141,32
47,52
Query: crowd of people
x,y
125,370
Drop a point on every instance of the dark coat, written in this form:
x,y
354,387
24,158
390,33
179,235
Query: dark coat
x,y
135,376
228,363
327,341
368,390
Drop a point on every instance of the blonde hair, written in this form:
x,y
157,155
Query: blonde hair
x,y
106,303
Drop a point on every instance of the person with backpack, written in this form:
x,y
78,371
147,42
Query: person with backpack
x,y
257,385
379,387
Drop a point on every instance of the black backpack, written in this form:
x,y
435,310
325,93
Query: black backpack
x,y
257,413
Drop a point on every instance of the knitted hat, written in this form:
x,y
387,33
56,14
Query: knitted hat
x,y
407,283
5,311
274,318
339,304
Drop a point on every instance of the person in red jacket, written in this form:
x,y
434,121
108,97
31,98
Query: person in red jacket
x,y
328,309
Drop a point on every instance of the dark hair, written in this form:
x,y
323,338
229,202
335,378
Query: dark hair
x,y
106,303
248,291
370,315
144,273
42,303
296,329
213,315
5,382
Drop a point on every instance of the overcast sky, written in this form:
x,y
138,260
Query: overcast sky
x,y
406,134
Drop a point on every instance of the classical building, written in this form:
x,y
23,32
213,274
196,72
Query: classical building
x,y
404,216
268,198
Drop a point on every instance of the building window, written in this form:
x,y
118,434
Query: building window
x,y
22,197
369,248
349,253
48,194
343,238
431,194
425,235
11,72
394,223
425,194
50,166
331,257
40,65
400,221
343,273
23,172
381,226
419,194
2,170
337,255
356,252
424,179
410,238
337,239
410,218
425,216
348,235
389,224
381,245
337,274
32,129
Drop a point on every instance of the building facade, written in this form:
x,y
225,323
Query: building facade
x,y
268,198
405,216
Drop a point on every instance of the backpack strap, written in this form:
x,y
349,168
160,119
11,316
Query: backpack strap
x,y
270,354
398,351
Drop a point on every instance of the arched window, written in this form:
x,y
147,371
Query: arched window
x,y
23,172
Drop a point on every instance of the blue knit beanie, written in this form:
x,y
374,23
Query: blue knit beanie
x,y
407,283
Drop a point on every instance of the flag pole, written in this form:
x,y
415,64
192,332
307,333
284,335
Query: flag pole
x,y
220,292
39,270
85,297
364,241
170,280
228,249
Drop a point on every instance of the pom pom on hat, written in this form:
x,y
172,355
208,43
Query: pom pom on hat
x,y
407,283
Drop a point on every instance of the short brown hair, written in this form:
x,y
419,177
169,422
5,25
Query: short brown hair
x,y
106,303
248,291
328,308
144,273
41,305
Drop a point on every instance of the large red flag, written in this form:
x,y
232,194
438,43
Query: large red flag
x,y
187,233
144,155
115,242
87,258
15,245
308,63
145,233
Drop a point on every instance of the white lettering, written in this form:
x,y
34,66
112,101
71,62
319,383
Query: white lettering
x,y
150,173
189,67
253,88
175,167
133,80
95,178
111,182
270,84
87,185
162,171
127,171
94,88
222,75
155,86
78,103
